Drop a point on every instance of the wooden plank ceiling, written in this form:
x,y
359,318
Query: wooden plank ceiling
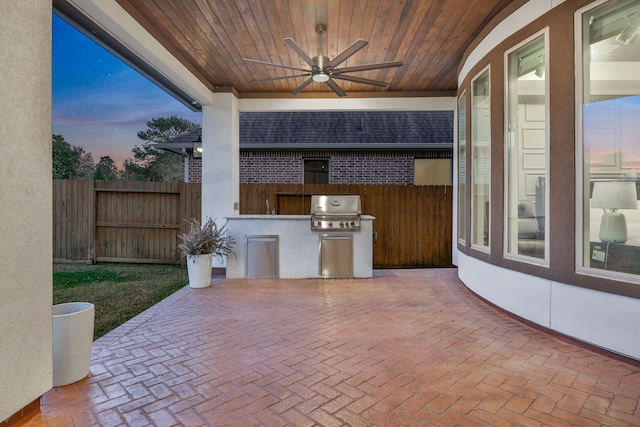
x,y
210,37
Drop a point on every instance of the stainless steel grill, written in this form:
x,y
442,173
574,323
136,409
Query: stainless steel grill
x,y
331,213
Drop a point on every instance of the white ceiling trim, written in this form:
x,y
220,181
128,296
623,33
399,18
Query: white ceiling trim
x,y
347,104
529,12
111,17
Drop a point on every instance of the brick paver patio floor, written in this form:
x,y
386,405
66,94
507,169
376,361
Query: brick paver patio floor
x,y
405,348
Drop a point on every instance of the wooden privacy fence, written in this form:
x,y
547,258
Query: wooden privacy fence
x,y
412,226
119,221
73,220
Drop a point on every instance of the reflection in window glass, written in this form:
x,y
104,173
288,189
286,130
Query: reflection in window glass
x,y
462,168
480,159
526,149
610,137
316,171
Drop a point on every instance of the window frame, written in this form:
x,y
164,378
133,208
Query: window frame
x,y
544,262
316,159
462,207
472,211
582,255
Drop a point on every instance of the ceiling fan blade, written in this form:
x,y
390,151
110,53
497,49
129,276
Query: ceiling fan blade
x,y
305,57
255,61
335,87
280,78
356,46
302,86
360,80
366,67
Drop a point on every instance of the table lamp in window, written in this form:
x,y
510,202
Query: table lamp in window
x,y
612,196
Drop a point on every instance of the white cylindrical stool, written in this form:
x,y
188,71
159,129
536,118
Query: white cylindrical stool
x,y
72,340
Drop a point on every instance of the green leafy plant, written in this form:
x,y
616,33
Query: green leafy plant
x,y
206,239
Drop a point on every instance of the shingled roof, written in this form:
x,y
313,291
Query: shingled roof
x,y
188,138
391,129
181,144
337,130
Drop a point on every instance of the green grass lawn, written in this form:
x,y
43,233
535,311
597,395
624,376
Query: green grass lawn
x,y
118,291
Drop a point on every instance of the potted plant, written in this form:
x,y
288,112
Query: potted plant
x,y
200,245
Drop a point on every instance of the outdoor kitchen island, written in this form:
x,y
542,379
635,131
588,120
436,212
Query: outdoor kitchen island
x,y
285,246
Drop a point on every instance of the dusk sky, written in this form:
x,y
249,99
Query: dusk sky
x,y
99,102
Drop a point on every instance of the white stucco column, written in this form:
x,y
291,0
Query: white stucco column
x,y
25,205
220,153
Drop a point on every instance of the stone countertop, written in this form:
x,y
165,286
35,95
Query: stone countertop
x,y
283,217
297,245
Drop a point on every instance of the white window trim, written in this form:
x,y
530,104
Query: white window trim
x,y
466,157
580,248
547,134
480,248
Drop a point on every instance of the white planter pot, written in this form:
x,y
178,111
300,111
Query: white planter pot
x,y
72,340
199,269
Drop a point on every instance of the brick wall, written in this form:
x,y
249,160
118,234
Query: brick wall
x,y
345,167
376,168
271,166
195,170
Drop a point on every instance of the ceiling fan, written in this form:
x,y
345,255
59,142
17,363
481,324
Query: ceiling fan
x,y
323,69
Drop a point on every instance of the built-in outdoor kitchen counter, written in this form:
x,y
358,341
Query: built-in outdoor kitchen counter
x,y
286,246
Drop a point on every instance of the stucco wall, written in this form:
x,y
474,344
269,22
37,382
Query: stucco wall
x,y
25,204
604,320
599,311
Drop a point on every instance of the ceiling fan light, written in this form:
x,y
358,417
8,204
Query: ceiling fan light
x,y
320,77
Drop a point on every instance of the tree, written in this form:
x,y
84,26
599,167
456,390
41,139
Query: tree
x,y
131,171
164,129
150,164
106,170
87,166
70,162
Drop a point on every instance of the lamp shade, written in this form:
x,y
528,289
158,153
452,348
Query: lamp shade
x,y
320,77
614,195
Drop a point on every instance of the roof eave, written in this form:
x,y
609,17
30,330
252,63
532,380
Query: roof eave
x,y
174,148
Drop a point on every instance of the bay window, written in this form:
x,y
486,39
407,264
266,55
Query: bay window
x,y
609,138
462,168
480,160
526,159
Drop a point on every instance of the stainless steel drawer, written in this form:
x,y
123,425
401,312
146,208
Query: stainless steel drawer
x,y
261,256
336,256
